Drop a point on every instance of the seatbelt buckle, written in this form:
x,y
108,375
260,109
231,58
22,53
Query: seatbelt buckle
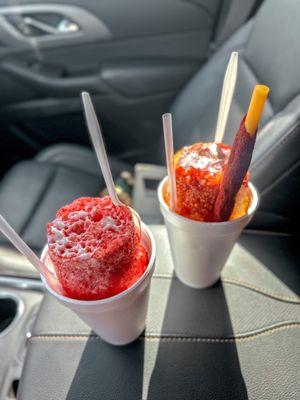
x,y
145,201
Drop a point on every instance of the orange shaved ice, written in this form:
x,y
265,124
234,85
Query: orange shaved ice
x,y
242,203
199,170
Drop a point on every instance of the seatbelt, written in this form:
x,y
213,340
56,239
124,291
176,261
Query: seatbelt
x,y
233,15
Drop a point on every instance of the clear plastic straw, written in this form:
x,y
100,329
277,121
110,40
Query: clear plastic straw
x,y
99,146
23,248
169,148
226,97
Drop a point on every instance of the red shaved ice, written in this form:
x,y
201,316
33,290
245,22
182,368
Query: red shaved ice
x,y
96,248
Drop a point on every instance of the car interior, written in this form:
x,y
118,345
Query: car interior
x,y
239,339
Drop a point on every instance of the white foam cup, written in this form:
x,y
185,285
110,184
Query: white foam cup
x,y
119,319
200,249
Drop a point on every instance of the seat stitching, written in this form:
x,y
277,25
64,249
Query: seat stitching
x,y
280,178
246,285
216,340
238,337
38,201
262,291
268,331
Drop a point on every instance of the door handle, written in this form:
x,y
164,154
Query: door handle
x,y
64,26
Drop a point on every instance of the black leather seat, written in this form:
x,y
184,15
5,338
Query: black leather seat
x,y
237,340
268,48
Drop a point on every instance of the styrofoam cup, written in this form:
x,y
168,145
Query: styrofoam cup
x,y
200,249
119,319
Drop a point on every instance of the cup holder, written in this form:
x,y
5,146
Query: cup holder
x,y
11,308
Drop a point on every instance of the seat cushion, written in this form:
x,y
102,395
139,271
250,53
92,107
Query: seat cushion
x,y
32,191
236,340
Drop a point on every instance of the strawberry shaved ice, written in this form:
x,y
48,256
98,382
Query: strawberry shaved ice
x,y
96,248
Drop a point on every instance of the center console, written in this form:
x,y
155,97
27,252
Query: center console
x,y
236,340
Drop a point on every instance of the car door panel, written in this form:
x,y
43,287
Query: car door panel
x,y
132,55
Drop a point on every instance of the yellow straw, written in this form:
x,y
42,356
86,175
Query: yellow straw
x,y
257,102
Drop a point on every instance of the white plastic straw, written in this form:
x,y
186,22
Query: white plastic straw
x,y
169,148
23,248
226,97
99,146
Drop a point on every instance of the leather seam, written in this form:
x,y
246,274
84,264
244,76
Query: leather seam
x,y
204,9
265,292
237,282
274,148
280,178
252,336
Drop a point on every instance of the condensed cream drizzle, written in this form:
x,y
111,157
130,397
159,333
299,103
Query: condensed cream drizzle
x,y
109,223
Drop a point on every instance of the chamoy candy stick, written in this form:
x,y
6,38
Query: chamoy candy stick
x,y
240,156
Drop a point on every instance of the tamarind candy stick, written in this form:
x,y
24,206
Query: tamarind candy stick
x,y
240,155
